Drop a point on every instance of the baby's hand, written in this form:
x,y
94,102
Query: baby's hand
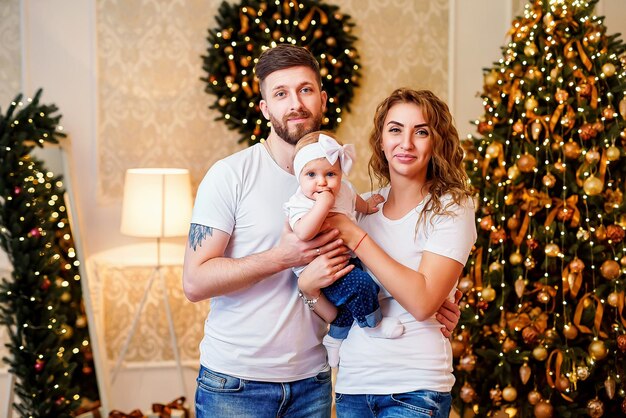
x,y
372,202
326,198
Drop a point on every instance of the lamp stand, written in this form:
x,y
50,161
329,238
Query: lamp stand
x,y
168,313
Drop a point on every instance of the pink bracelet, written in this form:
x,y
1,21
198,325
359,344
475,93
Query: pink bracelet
x,y
360,241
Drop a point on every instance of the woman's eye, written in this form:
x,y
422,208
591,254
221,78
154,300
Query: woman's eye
x,y
422,132
394,130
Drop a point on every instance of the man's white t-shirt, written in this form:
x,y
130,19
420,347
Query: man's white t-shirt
x,y
264,332
422,357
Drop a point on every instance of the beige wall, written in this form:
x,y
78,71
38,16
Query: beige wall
x,y
152,107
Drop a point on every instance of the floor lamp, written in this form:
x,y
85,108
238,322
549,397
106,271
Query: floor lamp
x,y
157,204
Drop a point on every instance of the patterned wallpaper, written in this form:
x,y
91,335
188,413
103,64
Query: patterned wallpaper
x,y
10,51
154,112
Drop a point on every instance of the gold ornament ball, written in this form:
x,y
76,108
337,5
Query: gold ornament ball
x,y
540,353
612,153
529,263
562,383
458,348
515,258
543,297
608,69
330,41
600,233
66,297
576,265
493,150
582,372
467,362
491,78
593,186
530,50
597,350
531,103
534,397
570,331
549,180
465,284
526,163
495,266
610,270
559,166
509,393
571,150
488,294
592,156
543,409
608,113
513,223
552,250
595,408
613,299
513,172
486,223
467,393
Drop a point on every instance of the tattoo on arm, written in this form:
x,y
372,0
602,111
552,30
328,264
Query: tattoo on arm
x,y
197,234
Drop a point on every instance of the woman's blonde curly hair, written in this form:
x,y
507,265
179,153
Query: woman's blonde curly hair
x,y
446,174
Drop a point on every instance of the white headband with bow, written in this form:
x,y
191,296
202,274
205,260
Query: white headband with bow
x,y
328,148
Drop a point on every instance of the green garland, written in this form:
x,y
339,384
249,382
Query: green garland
x,y
41,304
244,30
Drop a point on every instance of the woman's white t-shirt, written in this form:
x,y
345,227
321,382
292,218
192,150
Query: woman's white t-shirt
x,y
421,358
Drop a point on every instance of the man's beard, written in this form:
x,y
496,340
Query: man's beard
x,y
282,129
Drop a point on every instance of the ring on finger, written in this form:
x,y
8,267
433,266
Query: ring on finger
x,y
317,251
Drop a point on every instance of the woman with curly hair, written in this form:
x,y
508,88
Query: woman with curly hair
x,y
415,247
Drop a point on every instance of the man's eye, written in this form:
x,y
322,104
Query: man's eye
x,y
279,94
306,90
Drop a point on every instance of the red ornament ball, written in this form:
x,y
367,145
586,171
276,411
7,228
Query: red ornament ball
x,y
39,365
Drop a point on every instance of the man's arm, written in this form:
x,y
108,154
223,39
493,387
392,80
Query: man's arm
x,y
207,273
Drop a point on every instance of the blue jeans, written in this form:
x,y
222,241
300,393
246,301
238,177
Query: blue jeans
x,y
221,395
421,403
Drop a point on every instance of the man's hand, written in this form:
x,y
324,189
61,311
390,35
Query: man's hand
x,y
449,314
294,252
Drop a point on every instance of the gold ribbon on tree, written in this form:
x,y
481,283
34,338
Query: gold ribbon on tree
x,y
620,307
572,282
557,355
244,20
304,23
487,159
476,270
597,321
569,204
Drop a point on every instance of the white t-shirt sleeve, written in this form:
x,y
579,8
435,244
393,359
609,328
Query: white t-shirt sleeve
x,y
216,200
453,236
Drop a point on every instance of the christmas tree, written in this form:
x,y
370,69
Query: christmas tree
x,y
542,331
41,304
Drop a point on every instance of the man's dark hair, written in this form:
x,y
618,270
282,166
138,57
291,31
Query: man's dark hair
x,y
284,56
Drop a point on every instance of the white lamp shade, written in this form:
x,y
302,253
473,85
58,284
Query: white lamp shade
x,y
157,202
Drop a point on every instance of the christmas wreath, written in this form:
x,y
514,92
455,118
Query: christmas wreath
x,y
246,29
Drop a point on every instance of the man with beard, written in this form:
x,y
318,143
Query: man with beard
x,y
261,355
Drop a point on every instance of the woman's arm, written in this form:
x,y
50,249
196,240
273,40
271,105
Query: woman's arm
x,y
420,292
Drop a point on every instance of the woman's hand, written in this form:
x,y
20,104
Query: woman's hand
x,y
349,232
449,314
323,271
